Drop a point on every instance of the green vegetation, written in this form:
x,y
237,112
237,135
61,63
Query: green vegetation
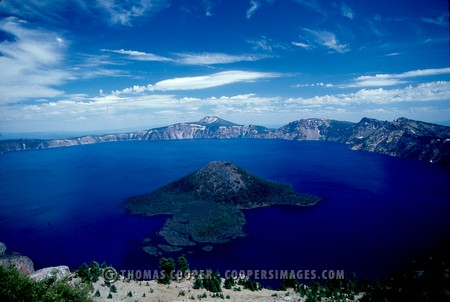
x,y
229,283
113,289
289,282
167,266
250,285
425,280
89,273
183,265
16,287
212,282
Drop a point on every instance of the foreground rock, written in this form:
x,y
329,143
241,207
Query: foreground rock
x,y
22,263
206,206
57,272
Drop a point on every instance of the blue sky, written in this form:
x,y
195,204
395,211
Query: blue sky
x,y
110,64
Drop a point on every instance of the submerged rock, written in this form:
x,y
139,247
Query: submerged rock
x,y
170,248
208,248
151,250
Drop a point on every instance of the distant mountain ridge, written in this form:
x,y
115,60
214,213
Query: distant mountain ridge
x,y
402,137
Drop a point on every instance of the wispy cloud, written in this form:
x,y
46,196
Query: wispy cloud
x,y
123,12
254,5
442,20
110,11
215,58
138,55
306,46
327,39
266,44
206,58
92,66
347,11
311,4
200,82
31,63
395,79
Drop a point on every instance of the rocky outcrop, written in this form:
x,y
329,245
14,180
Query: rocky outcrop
x,y
402,137
57,273
22,263
314,129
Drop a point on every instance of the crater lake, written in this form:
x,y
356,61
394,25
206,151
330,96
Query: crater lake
x,y
65,206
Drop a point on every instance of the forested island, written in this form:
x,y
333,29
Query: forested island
x,y
206,206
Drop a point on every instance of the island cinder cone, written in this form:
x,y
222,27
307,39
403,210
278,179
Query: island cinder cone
x,y
206,204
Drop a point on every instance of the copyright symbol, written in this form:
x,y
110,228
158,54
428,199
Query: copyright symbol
x,y
110,275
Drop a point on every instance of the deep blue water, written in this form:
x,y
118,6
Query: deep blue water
x,y
65,206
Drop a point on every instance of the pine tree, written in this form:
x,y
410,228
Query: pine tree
x,y
167,266
183,265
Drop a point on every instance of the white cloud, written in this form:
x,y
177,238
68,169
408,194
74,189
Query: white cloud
x,y
302,45
212,80
424,72
395,79
425,92
321,84
254,5
394,54
200,82
114,111
138,55
215,58
32,62
328,40
347,11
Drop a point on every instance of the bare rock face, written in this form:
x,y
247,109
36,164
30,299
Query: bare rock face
x,y
57,272
22,263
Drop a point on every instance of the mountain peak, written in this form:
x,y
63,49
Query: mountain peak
x,y
209,119
214,120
